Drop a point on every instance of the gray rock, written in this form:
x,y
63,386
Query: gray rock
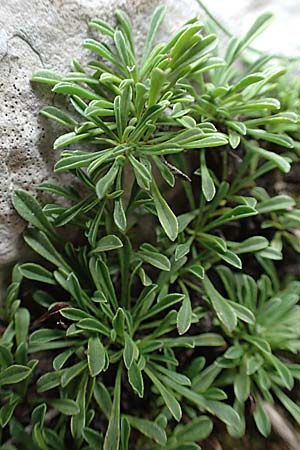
x,y
38,34
47,33
282,36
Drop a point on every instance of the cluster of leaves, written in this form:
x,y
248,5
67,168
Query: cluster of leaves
x,y
120,331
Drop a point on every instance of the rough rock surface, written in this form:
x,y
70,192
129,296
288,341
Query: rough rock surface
x,y
36,34
47,33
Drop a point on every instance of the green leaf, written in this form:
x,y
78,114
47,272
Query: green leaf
x,y
255,105
242,312
93,437
78,421
6,413
205,378
156,20
270,253
207,184
53,188
22,322
14,374
213,242
59,116
130,352
260,343
39,242
107,180
250,245
237,213
6,357
279,139
36,272
238,45
65,406
247,81
38,437
224,412
74,314
185,38
253,363
112,436
156,259
72,372
166,216
261,418
118,322
46,335
234,139
107,243
103,399
96,356
231,258
278,203
169,399
75,89
60,360
75,160
284,373
101,49
99,108
48,381
124,21
123,49
260,24
166,302
102,27
125,433
103,281
142,173
289,404
184,316
149,429
93,325
177,377
239,127
67,139
208,340
197,270
223,310
135,379
46,76
195,430
279,161
29,209
81,77
157,80
183,249
187,122
215,140
165,170
234,352
119,215
125,101
242,387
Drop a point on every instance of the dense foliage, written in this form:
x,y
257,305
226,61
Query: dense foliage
x,y
159,302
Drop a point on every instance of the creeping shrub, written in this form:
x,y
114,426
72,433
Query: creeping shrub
x,y
159,302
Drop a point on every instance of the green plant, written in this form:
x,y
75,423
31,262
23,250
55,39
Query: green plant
x,y
249,364
120,327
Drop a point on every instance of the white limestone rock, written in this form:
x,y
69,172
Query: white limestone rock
x,y
38,34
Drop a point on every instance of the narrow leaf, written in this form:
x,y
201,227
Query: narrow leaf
x,y
166,216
